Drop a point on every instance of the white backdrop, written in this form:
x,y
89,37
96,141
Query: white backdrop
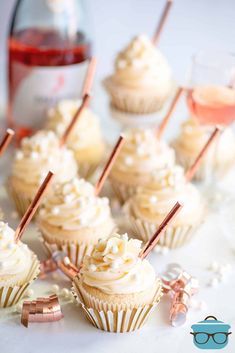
x,y
193,25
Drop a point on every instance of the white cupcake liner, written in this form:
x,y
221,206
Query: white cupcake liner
x,y
173,236
206,168
132,102
122,191
75,252
110,318
20,200
10,296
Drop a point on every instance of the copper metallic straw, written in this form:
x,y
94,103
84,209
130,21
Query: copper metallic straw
x,y
64,264
33,207
87,86
85,102
109,164
194,167
6,141
171,110
153,241
162,21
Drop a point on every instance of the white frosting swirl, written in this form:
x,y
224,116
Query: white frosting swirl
x,y
15,258
141,64
141,154
73,205
39,154
114,267
86,133
153,201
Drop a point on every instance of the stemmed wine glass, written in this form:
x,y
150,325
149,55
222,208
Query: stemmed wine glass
x,y
211,100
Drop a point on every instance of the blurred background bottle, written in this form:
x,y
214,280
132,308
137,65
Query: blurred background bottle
x,y
49,44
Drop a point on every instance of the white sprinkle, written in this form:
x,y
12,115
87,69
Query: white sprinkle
x,y
55,288
128,160
92,268
165,250
158,249
19,155
11,246
65,292
153,199
55,211
67,261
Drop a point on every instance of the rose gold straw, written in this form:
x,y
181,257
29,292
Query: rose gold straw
x,y
162,21
194,167
89,76
171,110
85,102
153,241
33,207
6,141
109,165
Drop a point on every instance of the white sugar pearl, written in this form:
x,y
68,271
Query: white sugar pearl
x,y
11,246
214,266
121,64
18,308
128,160
153,199
14,215
65,292
68,198
202,305
66,261
55,288
19,155
55,211
213,282
116,263
158,249
29,293
92,268
114,249
140,151
34,155
165,250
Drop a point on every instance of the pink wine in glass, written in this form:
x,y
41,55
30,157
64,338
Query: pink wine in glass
x,y
48,51
212,104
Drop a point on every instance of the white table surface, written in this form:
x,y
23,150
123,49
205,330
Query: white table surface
x,y
75,334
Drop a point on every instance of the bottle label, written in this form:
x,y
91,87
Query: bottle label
x,y
36,89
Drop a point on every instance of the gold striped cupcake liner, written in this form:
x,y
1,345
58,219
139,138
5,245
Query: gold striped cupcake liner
x,y
10,296
173,236
122,191
75,252
112,318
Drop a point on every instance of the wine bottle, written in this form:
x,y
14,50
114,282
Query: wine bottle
x,y
49,47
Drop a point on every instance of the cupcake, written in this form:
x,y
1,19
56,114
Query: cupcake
x,y
19,267
142,80
85,140
192,138
37,155
152,202
117,290
73,219
141,155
